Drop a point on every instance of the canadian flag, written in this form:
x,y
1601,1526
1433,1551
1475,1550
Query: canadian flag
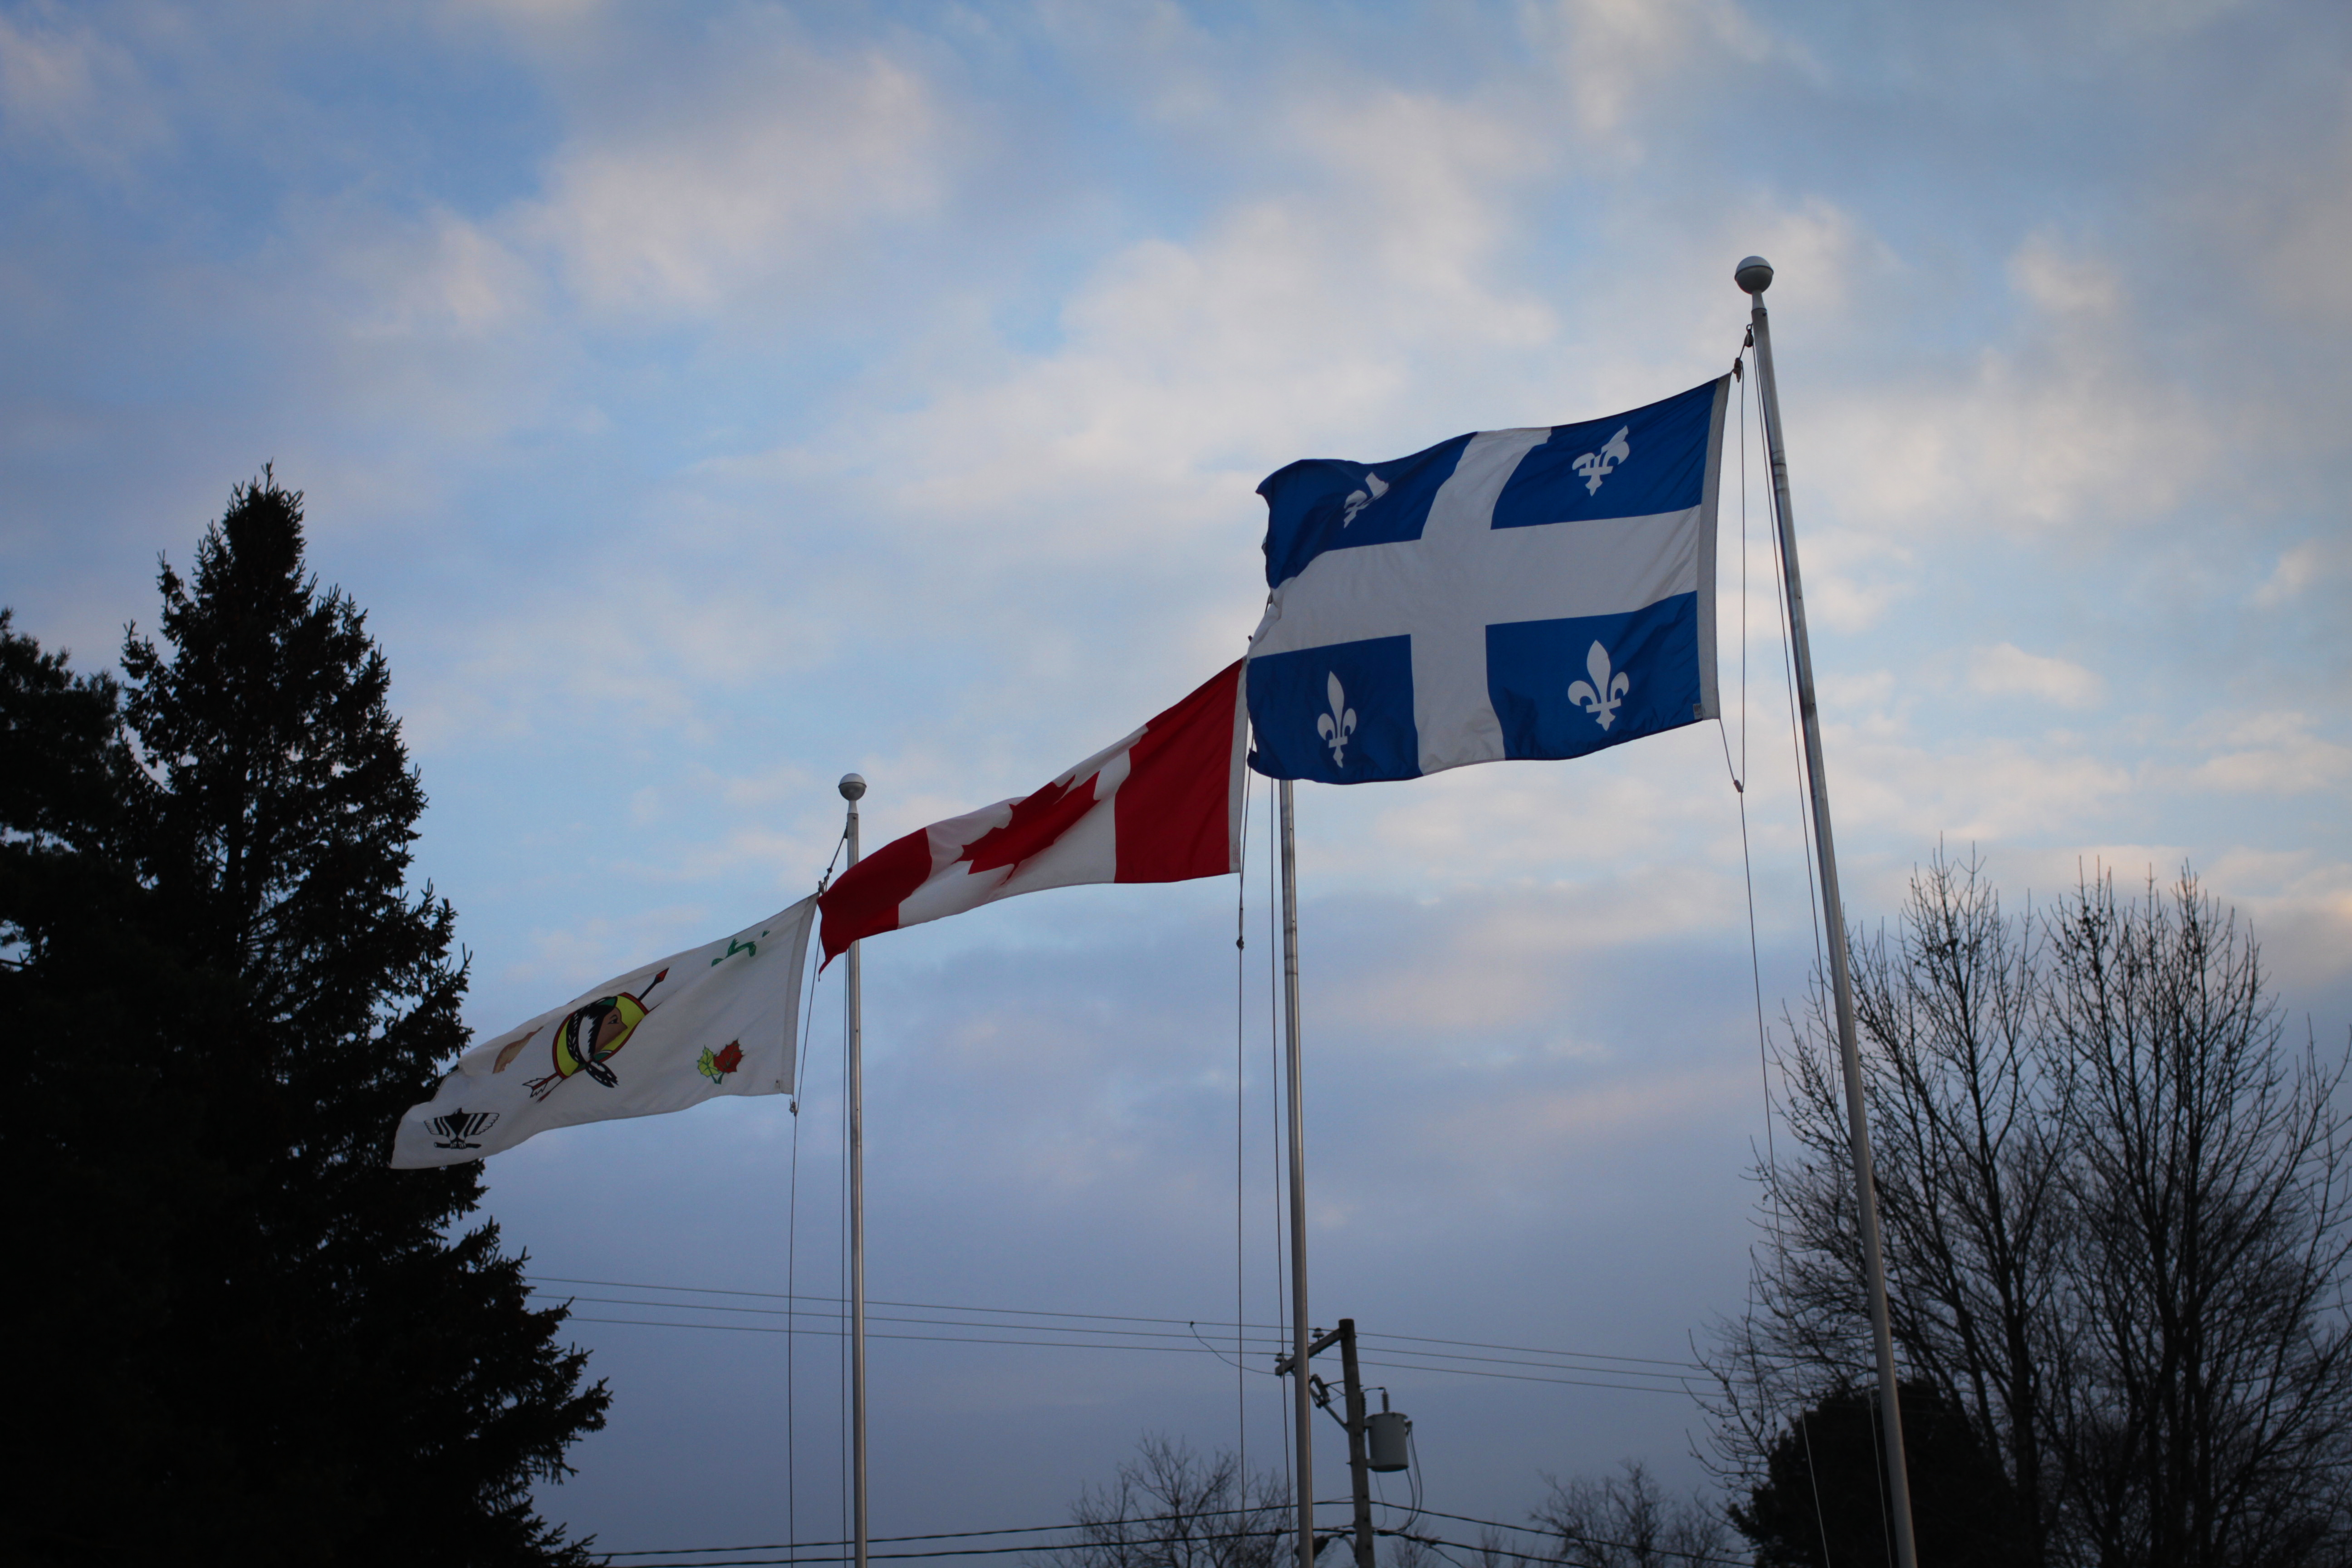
x,y
1164,804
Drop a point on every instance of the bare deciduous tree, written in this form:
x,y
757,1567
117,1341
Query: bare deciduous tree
x,y
2210,1413
2114,1223
1628,1522
1411,1552
1170,1507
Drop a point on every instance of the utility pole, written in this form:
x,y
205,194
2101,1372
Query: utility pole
x,y
1359,1472
1359,1468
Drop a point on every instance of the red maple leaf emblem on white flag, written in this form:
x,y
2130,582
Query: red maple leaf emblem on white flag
x,y
1038,821
1162,806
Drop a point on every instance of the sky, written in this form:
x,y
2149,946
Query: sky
x,y
704,401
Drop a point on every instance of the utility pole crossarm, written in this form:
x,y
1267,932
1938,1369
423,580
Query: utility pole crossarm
x,y
1314,1349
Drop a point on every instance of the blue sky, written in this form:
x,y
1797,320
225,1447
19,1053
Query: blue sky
x,y
707,400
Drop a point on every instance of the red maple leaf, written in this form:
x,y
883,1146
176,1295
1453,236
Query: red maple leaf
x,y
728,1061
1037,821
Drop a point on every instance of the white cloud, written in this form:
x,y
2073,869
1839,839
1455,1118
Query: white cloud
x,y
2304,273
1616,54
2297,569
1035,493
444,276
2275,753
766,157
73,89
1994,790
635,647
2300,905
2005,670
2062,284
2075,426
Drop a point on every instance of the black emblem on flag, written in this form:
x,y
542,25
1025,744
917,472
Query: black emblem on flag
x,y
460,1125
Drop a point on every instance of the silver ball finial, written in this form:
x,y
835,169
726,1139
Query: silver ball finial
x,y
1754,275
853,785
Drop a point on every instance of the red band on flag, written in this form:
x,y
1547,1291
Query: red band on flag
x,y
1176,809
1163,807
866,898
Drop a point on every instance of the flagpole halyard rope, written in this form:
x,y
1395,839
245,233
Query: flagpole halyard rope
x,y
1746,857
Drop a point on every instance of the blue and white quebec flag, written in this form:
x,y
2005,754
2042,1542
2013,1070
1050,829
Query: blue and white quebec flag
x,y
1529,594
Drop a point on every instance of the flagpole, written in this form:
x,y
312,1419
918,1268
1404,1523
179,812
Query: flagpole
x,y
1754,275
1300,1332
852,788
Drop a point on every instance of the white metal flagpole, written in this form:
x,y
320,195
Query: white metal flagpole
x,y
1301,1409
1755,275
852,788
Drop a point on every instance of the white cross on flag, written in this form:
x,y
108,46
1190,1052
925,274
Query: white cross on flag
x,y
1529,594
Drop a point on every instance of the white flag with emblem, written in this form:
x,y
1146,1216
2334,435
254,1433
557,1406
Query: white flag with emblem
x,y
715,1019
1510,594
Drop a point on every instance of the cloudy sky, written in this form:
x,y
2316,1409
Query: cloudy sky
x,y
706,400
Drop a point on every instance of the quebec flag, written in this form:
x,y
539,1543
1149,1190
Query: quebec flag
x,y
1525,594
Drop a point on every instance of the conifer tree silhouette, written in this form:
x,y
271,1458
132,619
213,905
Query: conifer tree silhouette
x,y
303,1356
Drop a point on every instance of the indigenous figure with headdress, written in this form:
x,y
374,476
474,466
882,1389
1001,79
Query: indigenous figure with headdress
x,y
591,1036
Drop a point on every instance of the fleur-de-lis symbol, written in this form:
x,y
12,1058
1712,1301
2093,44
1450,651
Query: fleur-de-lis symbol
x,y
1606,691
1595,466
1374,489
1336,726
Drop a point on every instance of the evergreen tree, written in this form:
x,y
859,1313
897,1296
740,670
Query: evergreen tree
x,y
317,1365
99,1171
1823,1496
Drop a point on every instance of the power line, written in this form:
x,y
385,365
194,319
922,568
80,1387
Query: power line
x,y
703,1561
704,1556
1189,1341
1677,1388
1551,1557
871,1301
1402,1342
931,1338
967,1534
870,1317
951,1552
1536,1349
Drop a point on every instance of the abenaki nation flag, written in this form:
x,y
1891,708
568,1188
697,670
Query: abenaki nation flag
x,y
1163,805
715,1019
